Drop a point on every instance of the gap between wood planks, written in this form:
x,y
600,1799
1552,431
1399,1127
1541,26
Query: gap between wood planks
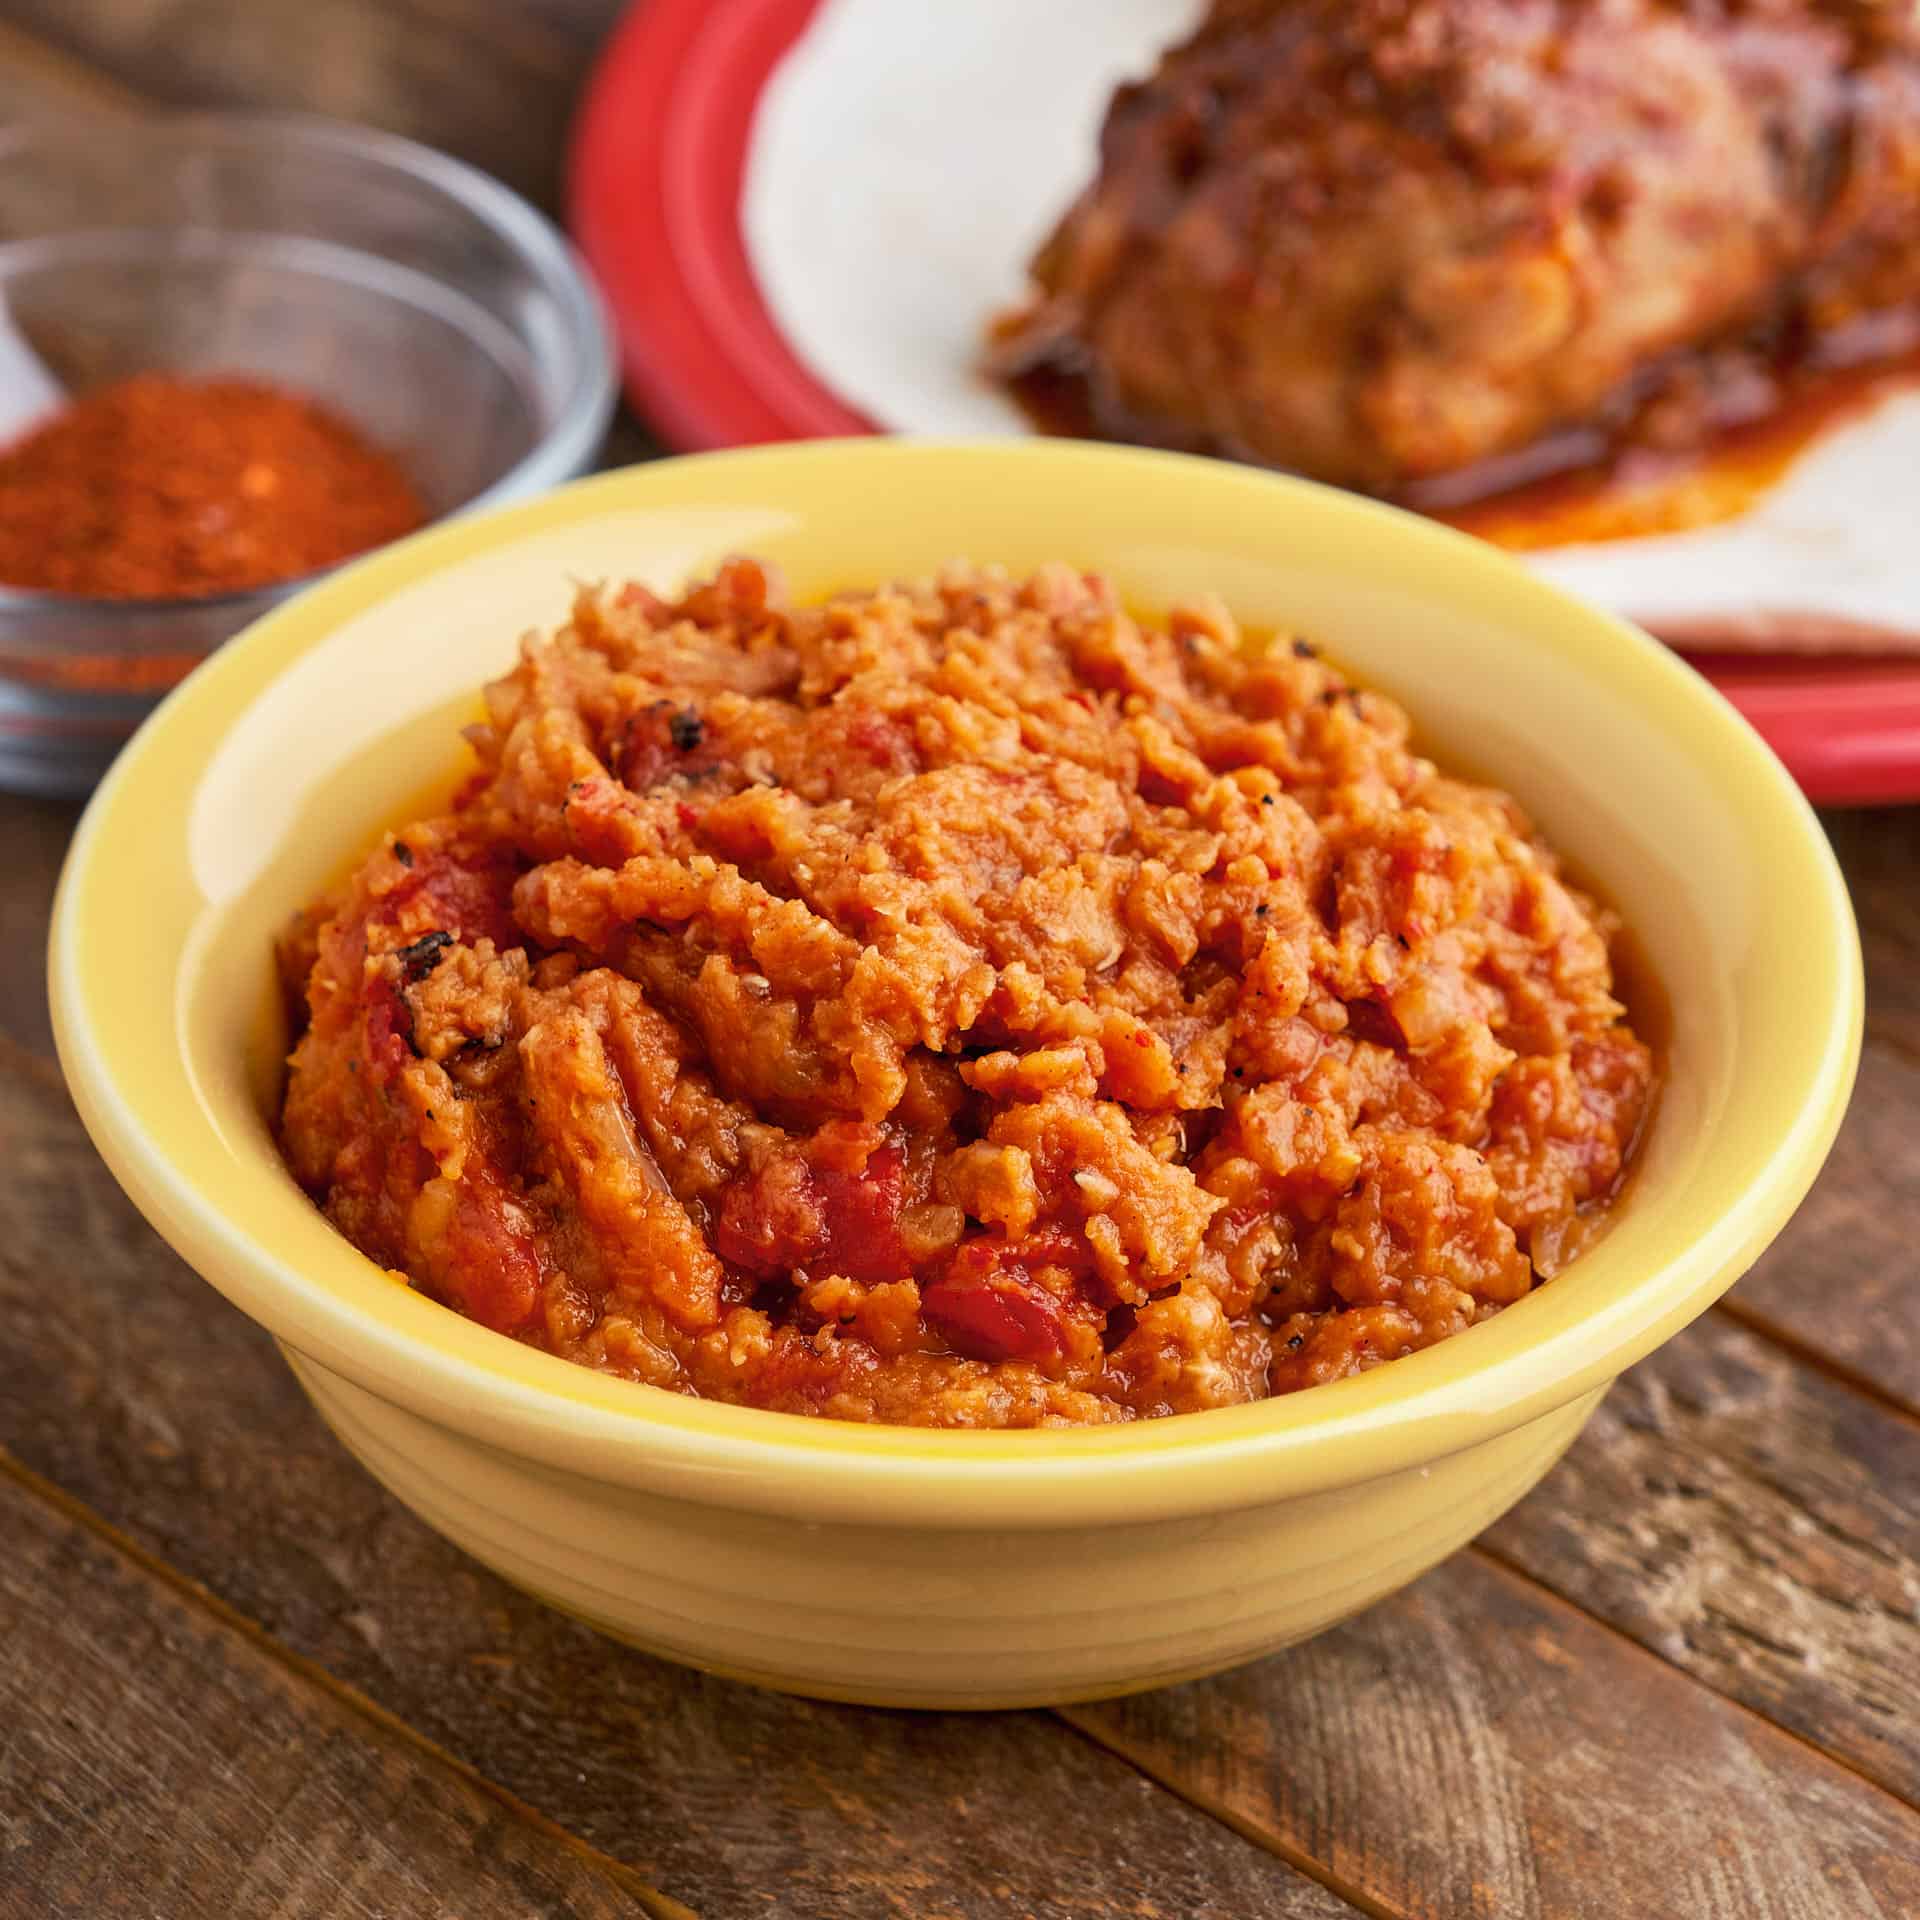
x,y
660,1905
1815,1359
1191,1791
1250,1830
41,78
1514,1569
1258,1883
1762,1827
42,1072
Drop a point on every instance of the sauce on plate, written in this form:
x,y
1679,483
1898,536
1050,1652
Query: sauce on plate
x,y
1590,484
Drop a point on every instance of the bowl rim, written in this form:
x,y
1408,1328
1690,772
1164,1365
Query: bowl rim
x,y
585,406
537,1407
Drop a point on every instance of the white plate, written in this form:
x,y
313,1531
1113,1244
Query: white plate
x,y
906,160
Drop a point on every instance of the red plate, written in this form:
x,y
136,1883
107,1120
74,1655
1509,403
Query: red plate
x,y
659,153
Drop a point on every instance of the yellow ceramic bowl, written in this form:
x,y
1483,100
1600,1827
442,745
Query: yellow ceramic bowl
x,y
892,1565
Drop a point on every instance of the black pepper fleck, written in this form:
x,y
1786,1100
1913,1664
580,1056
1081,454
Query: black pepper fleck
x,y
1305,650
419,957
686,729
403,853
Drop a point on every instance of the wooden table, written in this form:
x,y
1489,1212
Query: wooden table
x,y
1682,1679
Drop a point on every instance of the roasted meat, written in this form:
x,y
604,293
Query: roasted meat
x,y
1378,241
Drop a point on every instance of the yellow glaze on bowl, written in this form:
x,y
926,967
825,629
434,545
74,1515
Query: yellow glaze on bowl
x,y
889,1564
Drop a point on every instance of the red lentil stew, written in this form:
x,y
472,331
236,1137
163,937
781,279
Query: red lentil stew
x,y
960,1004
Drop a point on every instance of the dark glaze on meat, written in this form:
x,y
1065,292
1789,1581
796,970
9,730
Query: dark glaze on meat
x,y
1381,241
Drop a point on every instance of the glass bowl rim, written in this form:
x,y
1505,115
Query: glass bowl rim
x,y
587,395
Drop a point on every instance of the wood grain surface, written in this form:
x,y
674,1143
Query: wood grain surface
x,y
1476,1748
33,842
491,80
1844,1282
1681,1680
715,1792
1743,1518
1756,1525
275,1795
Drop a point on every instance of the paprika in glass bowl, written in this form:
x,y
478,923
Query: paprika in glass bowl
x,y
236,350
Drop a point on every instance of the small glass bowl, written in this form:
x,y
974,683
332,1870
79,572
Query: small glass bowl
x,y
421,300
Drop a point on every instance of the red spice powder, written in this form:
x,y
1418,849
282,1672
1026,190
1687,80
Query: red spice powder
x,y
163,488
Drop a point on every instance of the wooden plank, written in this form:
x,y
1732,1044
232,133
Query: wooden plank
x,y
585,22
1477,1747
1756,1525
1843,1279
159,1761
488,82
33,842
1880,853
142,1394
38,81
1840,1283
